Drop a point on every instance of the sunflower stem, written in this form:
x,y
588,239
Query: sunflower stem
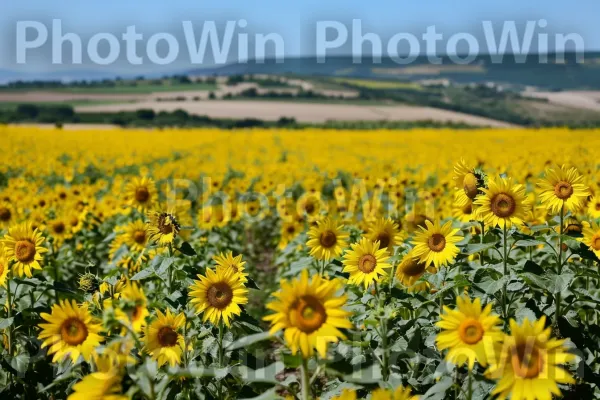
x,y
505,306
9,301
481,241
470,390
384,333
169,274
559,263
221,344
304,378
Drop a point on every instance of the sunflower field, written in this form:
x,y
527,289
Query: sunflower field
x,y
304,264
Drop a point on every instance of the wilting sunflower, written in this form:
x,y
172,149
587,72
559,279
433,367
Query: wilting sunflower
x,y
228,261
326,240
136,309
386,231
71,331
162,228
347,394
401,393
163,340
470,332
468,183
591,238
141,193
529,363
310,314
98,385
436,244
503,203
366,262
24,246
410,270
563,188
218,295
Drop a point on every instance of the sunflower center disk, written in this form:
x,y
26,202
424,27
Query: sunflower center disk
x,y
503,205
1,269
527,361
563,190
470,331
384,240
167,337
139,237
219,295
142,195
468,209
5,214
367,263
308,314
73,331
596,243
58,227
25,251
436,242
328,239
413,268
470,185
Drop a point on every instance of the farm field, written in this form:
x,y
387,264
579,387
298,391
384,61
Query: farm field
x,y
304,264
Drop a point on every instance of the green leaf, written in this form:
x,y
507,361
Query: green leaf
x,y
478,248
438,391
251,284
143,274
164,266
5,323
187,249
248,340
262,375
535,280
533,268
20,363
270,394
559,283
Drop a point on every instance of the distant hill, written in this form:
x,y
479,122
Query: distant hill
x,y
551,76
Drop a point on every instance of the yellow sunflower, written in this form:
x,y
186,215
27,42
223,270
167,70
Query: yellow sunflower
x,y
310,314
464,211
467,183
235,263
135,236
100,386
366,262
71,331
347,394
591,238
163,340
528,367
410,270
326,240
7,214
3,267
563,188
502,203
59,229
594,207
136,310
162,228
401,393
436,244
218,295
387,232
289,231
23,246
141,193
469,331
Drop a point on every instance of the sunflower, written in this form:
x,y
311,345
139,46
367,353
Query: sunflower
x,y
162,338
594,207
463,211
289,231
137,310
310,314
410,270
71,331
366,262
503,203
326,240
347,394
591,238
387,232
469,331
98,385
468,183
135,236
3,267
141,193
436,244
563,188
218,295
162,228
59,229
401,393
228,261
529,363
23,246
7,214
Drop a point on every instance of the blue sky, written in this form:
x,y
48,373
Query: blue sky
x,y
294,21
